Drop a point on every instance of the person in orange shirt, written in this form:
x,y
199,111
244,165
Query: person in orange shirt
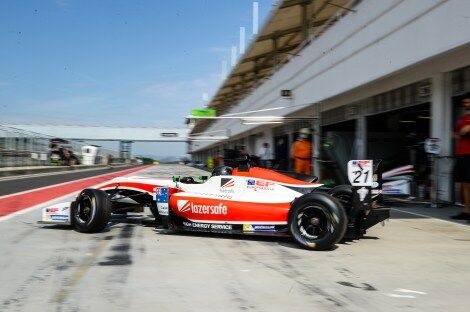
x,y
462,166
302,153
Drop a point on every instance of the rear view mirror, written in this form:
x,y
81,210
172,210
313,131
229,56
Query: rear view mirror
x,y
202,178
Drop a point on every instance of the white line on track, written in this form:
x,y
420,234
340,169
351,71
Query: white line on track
x,y
403,290
400,296
431,217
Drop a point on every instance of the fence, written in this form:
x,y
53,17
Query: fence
x,y
25,148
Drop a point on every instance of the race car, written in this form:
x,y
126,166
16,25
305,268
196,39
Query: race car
x,y
243,200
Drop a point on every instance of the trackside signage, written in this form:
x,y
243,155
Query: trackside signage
x,y
205,112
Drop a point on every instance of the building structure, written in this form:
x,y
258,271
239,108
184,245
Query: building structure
x,y
379,76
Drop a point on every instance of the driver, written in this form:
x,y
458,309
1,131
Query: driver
x,y
221,170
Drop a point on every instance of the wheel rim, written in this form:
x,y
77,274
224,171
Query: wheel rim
x,y
85,209
314,223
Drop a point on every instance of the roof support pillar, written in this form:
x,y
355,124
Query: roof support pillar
x,y
255,73
441,127
316,139
243,83
275,61
304,21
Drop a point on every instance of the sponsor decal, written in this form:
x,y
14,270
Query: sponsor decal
x,y
259,185
161,197
162,209
264,228
183,205
264,183
208,226
227,185
60,217
52,210
186,205
361,163
161,194
259,228
223,196
248,228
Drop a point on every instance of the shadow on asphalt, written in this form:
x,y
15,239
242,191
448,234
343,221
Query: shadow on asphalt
x,y
148,221
115,220
281,240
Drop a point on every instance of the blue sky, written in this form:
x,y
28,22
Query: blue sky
x,y
112,62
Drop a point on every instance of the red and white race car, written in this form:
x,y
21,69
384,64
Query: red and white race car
x,y
240,201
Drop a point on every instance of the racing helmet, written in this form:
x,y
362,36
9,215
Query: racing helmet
x,y
221,170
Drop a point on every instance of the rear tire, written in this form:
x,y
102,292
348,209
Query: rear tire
x,y
344,194
91,211
317,221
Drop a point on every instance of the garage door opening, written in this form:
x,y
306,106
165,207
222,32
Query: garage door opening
x,y
398,137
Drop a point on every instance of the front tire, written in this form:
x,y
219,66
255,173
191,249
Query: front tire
x,y
317,221
91,211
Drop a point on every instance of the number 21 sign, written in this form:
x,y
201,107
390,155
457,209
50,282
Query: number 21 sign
x,y
360,172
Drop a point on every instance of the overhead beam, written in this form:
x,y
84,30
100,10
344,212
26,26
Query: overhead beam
x,y
102,133
290,3
279,33
282,33
262,55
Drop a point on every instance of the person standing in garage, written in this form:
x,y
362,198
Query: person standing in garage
x,y
302,153
265,155
462,165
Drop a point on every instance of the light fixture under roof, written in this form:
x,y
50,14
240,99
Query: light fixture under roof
x,y
261,122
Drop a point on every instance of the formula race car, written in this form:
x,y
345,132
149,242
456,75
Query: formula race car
x,y
243,200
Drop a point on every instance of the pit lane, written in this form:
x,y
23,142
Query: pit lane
x,y
411,264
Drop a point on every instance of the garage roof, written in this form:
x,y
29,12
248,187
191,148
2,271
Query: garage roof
x,y
292,25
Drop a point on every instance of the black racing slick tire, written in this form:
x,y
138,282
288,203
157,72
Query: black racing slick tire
x,y
317,221
91,211
344,193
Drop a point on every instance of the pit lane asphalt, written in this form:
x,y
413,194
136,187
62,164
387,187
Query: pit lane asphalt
x,y
15,184
411,264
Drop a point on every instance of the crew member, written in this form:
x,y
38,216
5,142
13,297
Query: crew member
x,y
218,160
265,155
462,165
302,153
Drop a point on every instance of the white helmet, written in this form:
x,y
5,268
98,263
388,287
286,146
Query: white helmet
x,y
304,133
